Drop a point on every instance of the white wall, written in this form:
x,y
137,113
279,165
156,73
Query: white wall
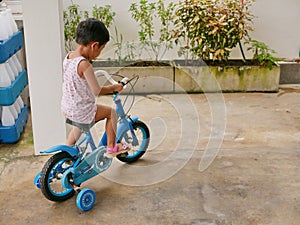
x,y
276,23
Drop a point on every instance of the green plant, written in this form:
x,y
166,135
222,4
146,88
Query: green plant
x,y
146,13
104,13
262,53
72,17
119,46
130,50
212,28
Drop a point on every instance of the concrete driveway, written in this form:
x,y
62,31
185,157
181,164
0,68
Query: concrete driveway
x,y
213,159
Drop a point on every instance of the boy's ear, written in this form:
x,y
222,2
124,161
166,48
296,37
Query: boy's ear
x,y
95,44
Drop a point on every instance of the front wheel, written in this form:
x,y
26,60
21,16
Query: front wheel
x,y
51,177
143,135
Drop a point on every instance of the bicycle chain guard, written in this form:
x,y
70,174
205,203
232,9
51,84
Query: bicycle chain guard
x,y
94,163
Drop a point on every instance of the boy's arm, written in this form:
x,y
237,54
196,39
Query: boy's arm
x,y
90,77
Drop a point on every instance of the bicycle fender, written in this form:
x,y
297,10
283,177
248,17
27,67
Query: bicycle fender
x,y
133,120
126,125
62,148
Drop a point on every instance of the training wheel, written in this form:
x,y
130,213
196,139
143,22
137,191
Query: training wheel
x,y
86,199
36,181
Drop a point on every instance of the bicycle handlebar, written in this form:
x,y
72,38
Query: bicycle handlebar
x,y
124,81
107,75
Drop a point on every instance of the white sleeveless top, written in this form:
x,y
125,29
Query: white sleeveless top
x,y
78,101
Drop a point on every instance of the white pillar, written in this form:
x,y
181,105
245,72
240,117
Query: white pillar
x,y
44,54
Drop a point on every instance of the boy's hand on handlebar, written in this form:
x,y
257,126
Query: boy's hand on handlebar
x,y
118,87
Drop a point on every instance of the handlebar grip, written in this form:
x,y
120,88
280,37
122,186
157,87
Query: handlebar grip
x,y
124,81
121,82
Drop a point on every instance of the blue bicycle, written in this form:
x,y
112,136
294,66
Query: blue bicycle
x,y
66,170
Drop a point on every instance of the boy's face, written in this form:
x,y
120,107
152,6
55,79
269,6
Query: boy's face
x,y
96,49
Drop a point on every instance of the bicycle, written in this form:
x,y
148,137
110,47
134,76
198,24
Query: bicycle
x,y
70,166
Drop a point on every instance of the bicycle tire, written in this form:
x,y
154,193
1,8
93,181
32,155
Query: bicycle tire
x,y
137,151
52,172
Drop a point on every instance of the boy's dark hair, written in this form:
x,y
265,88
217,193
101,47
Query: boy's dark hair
x,y
91,30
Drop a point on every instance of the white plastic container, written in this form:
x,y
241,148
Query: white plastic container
x,y
9,71
11,20
7,118
13,67
4,19
13,111
17,107
20,102
5,80
4,30
17,63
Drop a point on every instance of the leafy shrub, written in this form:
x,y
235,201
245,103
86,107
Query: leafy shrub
x,y
262,53
146,13
210,29
73,15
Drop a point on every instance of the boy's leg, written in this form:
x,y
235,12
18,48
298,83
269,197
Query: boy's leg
x,y
108,113
73,136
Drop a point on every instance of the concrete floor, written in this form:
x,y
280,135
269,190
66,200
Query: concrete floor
x,y
254,179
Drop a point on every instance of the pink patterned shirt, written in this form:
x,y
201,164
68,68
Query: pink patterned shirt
x,y
78,101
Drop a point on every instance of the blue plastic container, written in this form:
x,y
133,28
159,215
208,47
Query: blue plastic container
x,y
8,95
10,46
11,134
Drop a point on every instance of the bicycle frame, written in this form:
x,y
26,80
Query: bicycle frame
x,y
124,124
86,165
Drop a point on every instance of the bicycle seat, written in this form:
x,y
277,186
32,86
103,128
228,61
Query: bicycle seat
x,y
83,126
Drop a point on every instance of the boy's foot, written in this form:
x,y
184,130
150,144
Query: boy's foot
x,y
118,149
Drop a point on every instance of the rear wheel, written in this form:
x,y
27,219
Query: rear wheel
x,y
143,135
51,177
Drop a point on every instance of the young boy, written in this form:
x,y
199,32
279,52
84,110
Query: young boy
x,y
80,85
